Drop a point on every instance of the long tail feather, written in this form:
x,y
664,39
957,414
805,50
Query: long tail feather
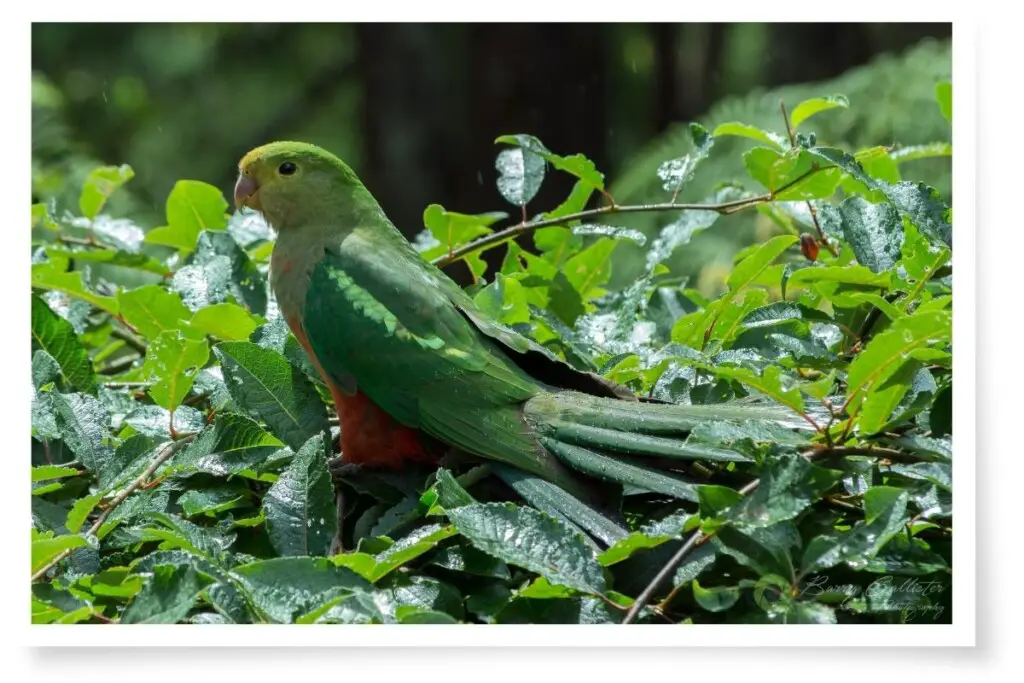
x,y
608,439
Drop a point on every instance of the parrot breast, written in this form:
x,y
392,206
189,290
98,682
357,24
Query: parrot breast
x,y
369,436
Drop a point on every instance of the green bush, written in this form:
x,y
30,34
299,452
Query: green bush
x,y
180,436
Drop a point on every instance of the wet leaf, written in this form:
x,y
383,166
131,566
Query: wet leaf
x,y
266,385
809,108
99,185
532,540
56,337
301,516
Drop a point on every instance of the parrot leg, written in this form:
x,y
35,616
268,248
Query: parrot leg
x,y
340,470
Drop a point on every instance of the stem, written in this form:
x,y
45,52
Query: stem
x,y
118,366
66,239
724,208
163,456
810,207
130,339
698,537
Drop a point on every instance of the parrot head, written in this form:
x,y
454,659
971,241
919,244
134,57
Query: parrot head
x,y
291,183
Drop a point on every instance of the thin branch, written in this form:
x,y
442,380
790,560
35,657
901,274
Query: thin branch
x,y
78,241
118,366
724,208
810,207
163,456
130,339
698,537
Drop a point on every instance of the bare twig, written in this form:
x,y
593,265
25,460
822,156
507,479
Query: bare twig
x,y
724,208
163,456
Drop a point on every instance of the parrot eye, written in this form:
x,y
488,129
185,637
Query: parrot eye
x,y
287,168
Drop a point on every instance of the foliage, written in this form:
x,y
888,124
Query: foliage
x,y
182,439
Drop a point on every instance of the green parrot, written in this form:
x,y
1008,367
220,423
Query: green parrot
x,y
415,368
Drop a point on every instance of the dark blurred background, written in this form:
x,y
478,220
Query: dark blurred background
x,y
415,108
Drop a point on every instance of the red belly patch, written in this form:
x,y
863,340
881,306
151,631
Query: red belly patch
x,y
369,436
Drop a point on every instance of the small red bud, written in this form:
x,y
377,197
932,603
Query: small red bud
x,y
809,247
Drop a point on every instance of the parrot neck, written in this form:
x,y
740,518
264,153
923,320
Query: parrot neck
x,y
296,253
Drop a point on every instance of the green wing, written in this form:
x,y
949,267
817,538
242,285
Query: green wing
x,y
376,313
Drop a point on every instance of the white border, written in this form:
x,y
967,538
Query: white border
x,y
14,416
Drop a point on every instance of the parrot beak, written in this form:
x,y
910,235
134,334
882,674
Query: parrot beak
x,y
245,193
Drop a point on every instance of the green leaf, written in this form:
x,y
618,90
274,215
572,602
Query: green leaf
x,y
885,510
407,614
716,599
283,588
788,485
172,362
53,276
624,548
881,400
766,550
915,152
266,385
409,548
532,540
771,382
212,501
44,549
245,280
81,510
747,271
676,173
809,108
850,275
715,500
924,207
301,516
155,421
588,270
151,310
450,230
781,312
944,96
233,443
504,300
203,285
192,207
99,185
111,257
521,173
226,321
751,132
577,164
790,175
887,351
462,557
57,337
44,472
450,493
874,231
167,597
84,423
